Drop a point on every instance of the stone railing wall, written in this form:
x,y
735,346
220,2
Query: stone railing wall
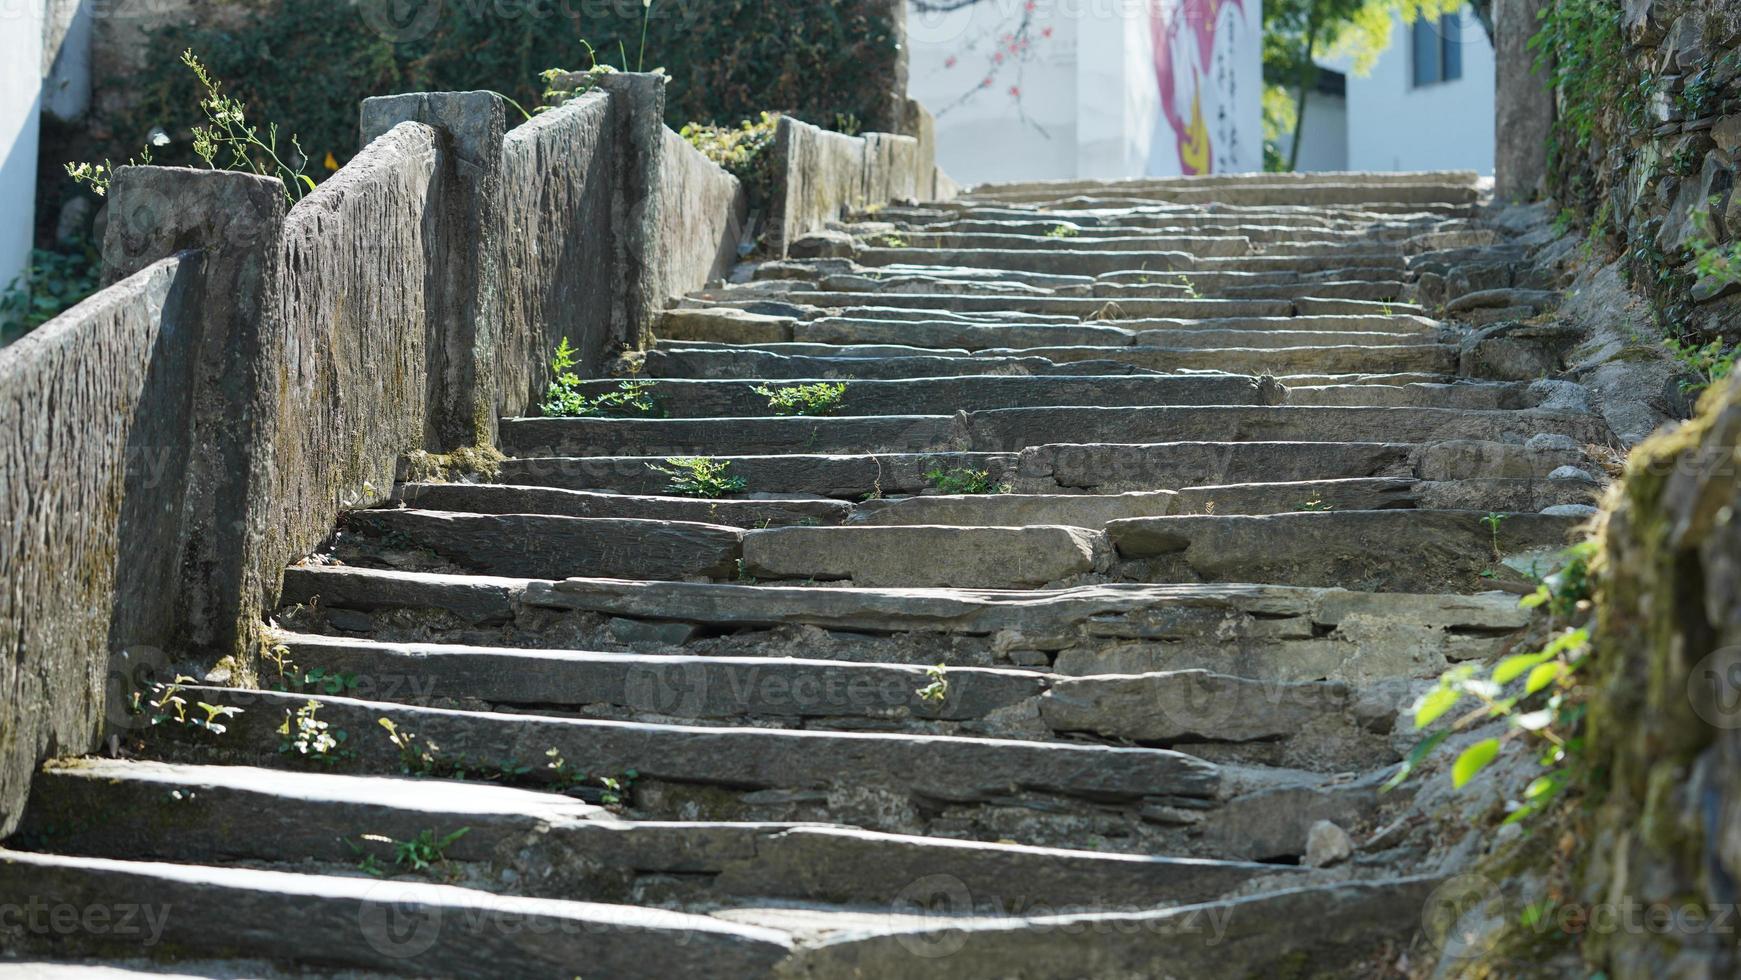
x,y
168,446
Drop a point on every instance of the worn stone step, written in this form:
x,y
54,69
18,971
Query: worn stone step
x,y
362,923
1360,192
970,557
1384,550
1263,631
941,396
851,477
1315,931
493,498
1011,429
1012,509
1383,493
891,782
1220,245
751,363
539,545
1184,339
555,845
1079,307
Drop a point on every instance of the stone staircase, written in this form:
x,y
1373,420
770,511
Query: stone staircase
x,y
1122,711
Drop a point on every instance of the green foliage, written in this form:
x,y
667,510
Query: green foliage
x,y
612,791
956,482
937,691
170,708
698,476
312,60
563,399
419,854
1297,33
1493,521
1536,693
1579,48
1708,363
223,135
53,284
304,734
741,151
820,398
1062,230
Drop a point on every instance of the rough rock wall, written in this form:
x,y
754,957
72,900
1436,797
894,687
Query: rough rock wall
x,y
88,444
557,186
349,346
1665,724
713,210
1658,152
825,173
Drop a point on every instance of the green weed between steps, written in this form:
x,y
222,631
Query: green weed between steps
x,y
698,476
563,399
937,691
304,735
170,708
959,482
420,854
1537,694
421,757
1063,231
821,398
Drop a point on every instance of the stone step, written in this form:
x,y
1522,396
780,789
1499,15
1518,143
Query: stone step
x,y
1276,339
975,788
1011,429
1386,551
938,396
369,925
547,845
491,498
1080,230
1159,263
1080,307
538,545
1270,632
1356,193
772,363
849,477
1218,245
1297,724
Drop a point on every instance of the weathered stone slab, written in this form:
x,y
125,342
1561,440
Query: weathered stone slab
x,y
1182,705
485,498
844,477
1013,510
1262,339
1385,551
969,557
1114,467
1355,358
723,325
710,437
548,546
966,336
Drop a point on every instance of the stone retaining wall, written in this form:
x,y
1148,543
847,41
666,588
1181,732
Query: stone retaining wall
x,y
170,445
826,174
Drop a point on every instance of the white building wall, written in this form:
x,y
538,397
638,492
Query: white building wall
x,y
1052,89
1324,140
1393,125
21,72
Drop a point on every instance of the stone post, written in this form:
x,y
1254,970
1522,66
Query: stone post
x,y
1524,104
464,300
638,112
232,223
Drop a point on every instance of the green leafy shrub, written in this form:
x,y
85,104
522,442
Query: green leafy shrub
x,y
698,476
563,399
963,481
742,151
54,283
821,398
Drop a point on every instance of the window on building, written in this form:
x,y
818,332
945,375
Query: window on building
x,y
1438,50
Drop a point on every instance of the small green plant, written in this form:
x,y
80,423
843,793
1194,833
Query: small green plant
x,y
306,735
1184,282
698,476
563,399
848,123
227,135
1493,521
1707,363
415,758
937,691
614,790
820,398
888,240
171,708
962,481
419,854
1315,505
742,151
1062,230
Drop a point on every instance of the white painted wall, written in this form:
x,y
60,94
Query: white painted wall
x,y
1392,125
20,115
1048,89
1324,142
